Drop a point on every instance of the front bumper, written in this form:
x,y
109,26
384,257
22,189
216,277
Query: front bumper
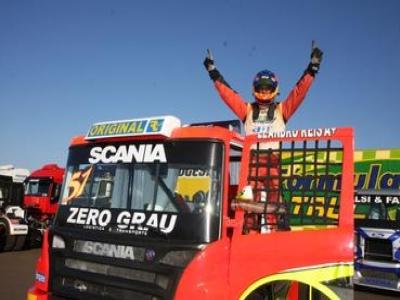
x,y
36,294
377,275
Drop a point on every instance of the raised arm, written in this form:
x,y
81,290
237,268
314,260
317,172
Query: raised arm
x,y
296,96
231,98
299,92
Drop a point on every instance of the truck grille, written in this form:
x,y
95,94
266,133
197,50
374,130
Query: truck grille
x,y
377,278
119,272
80,279
76,274
378,250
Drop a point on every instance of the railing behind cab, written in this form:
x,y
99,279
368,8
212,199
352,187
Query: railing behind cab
x,y
296,207
300,179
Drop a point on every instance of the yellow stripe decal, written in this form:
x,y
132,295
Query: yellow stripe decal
x,y
313,277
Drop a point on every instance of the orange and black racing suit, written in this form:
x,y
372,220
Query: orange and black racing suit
x,y
264,119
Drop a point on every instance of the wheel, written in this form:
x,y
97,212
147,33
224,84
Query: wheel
x,y
7,241
19,242
262,293
273,291
33,239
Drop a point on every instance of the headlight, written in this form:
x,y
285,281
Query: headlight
x,y
397,255
58,242
178,258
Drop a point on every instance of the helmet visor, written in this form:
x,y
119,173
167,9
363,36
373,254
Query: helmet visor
x,y
265,84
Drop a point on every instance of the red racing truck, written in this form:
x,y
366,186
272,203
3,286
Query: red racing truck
x,y
32,201
131,225
42,192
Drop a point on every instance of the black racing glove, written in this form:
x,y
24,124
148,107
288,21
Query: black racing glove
x,y
210,67
209,61
316,58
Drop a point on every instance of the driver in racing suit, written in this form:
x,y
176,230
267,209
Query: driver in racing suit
x,y
265,115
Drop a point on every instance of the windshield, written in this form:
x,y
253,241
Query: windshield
x,y
37,187
171,188
180,186
5,185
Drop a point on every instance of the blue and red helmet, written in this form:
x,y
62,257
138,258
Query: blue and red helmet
x,y
265,86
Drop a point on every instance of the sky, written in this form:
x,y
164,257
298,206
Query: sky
x,y
65,65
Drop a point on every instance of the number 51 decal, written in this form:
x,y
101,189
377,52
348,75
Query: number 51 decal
x,y
77,184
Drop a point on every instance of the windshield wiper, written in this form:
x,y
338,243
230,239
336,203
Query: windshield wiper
x,y
171,195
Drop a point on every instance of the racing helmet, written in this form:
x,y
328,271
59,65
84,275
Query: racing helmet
x,y
265,86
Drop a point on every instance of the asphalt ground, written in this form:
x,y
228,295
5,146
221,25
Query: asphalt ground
x,y
17,271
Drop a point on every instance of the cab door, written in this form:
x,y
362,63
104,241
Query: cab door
x,y
294,233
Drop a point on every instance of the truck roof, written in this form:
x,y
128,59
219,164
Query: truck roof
x,y
162,128
47,171
17,174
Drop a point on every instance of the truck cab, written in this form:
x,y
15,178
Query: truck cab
x,y
151,209
6,184
42,189
42,192
12,226
12,186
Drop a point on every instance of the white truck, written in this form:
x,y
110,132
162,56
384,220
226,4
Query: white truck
x,y
13,229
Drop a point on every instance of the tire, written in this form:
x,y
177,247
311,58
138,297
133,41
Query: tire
x,y
33,239
10,242
271,291
262,293
7,241
3,234
19,243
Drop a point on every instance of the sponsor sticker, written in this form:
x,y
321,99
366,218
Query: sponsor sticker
x,y
136,222
40,277
145,126
304,133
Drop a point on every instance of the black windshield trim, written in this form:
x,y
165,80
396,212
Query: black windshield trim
x,y
208,153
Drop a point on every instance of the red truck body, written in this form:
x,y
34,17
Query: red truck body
x,y
238,263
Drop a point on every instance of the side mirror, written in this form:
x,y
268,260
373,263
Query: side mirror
x,y
55,195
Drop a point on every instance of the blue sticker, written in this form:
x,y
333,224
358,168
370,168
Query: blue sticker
x,y
155,125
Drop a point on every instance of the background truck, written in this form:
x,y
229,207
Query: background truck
x,y
30,202
377,219
42,192
131,226
13,229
